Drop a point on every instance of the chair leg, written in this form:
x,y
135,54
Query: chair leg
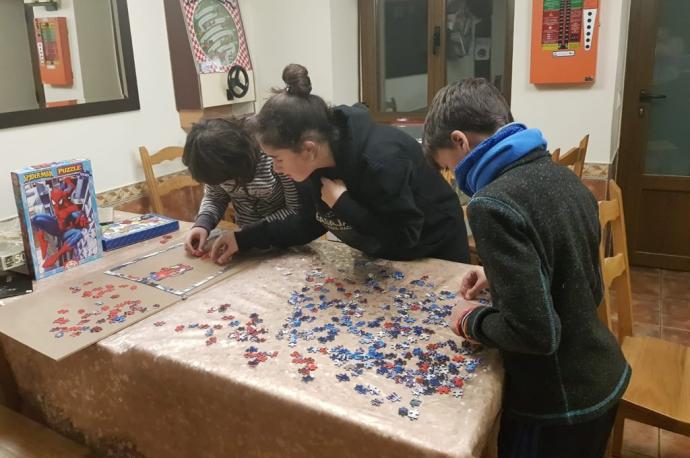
x,y
617,438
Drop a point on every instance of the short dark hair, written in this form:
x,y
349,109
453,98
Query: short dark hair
x,y
221,149
293,114
470,105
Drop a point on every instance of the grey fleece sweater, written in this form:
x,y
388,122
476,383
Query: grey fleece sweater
x,y
536,228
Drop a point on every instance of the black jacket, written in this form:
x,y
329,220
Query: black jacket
x,y
396,206
537,232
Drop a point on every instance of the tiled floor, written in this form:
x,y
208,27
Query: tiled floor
x,y
661,308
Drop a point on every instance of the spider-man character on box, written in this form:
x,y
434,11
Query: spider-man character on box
x,y
65,224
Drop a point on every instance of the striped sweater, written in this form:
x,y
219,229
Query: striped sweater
x,y
269,196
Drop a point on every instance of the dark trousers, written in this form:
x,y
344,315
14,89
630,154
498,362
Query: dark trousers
x,y
521,438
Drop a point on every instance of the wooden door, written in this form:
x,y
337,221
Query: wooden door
x,y
654,160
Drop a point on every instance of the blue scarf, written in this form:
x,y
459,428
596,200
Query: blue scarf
x,y
486,161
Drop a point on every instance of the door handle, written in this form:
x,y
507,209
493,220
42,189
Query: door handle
x,y
436,40
646,97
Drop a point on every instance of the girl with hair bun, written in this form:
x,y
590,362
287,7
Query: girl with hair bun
x,y
368,184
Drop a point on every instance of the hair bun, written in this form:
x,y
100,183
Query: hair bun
x,y
296,78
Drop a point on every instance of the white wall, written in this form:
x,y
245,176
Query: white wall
x,y
322,35
318,34
566,114
344,52
110,141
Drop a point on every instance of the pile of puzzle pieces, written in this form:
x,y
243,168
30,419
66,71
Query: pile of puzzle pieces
x,y
396,323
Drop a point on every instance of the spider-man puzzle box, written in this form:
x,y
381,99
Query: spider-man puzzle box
x,y
57,211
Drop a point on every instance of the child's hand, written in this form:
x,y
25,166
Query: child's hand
x,y
473,282
195,240
224,247
331,190
456,316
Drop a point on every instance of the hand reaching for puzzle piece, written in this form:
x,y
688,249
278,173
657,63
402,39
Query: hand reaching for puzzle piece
x,y
195,241
473,282
224,247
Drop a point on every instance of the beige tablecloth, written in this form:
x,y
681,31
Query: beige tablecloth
x,y
311,353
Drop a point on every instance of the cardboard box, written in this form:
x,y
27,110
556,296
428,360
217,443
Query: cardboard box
x,y
57,211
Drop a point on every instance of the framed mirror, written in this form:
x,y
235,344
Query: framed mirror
x,y
64,59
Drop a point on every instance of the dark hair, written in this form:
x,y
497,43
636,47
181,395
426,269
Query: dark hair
x,y
293,114
218,150
470,105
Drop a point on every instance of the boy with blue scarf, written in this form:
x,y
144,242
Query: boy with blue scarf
x,y
537,232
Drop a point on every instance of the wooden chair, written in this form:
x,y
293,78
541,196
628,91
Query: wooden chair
x,y
158,189
659,390
556,154
575,157
448,176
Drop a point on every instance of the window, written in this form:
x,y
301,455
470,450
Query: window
x,y
412,48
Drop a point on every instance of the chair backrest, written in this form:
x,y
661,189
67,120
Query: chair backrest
x,y
448,176
556,154
584,144
156,189
575,157
615,269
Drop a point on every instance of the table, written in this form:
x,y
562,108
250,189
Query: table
x,y
179,382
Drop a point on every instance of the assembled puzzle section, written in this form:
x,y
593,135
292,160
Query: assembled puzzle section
x,y
174,271
57,211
